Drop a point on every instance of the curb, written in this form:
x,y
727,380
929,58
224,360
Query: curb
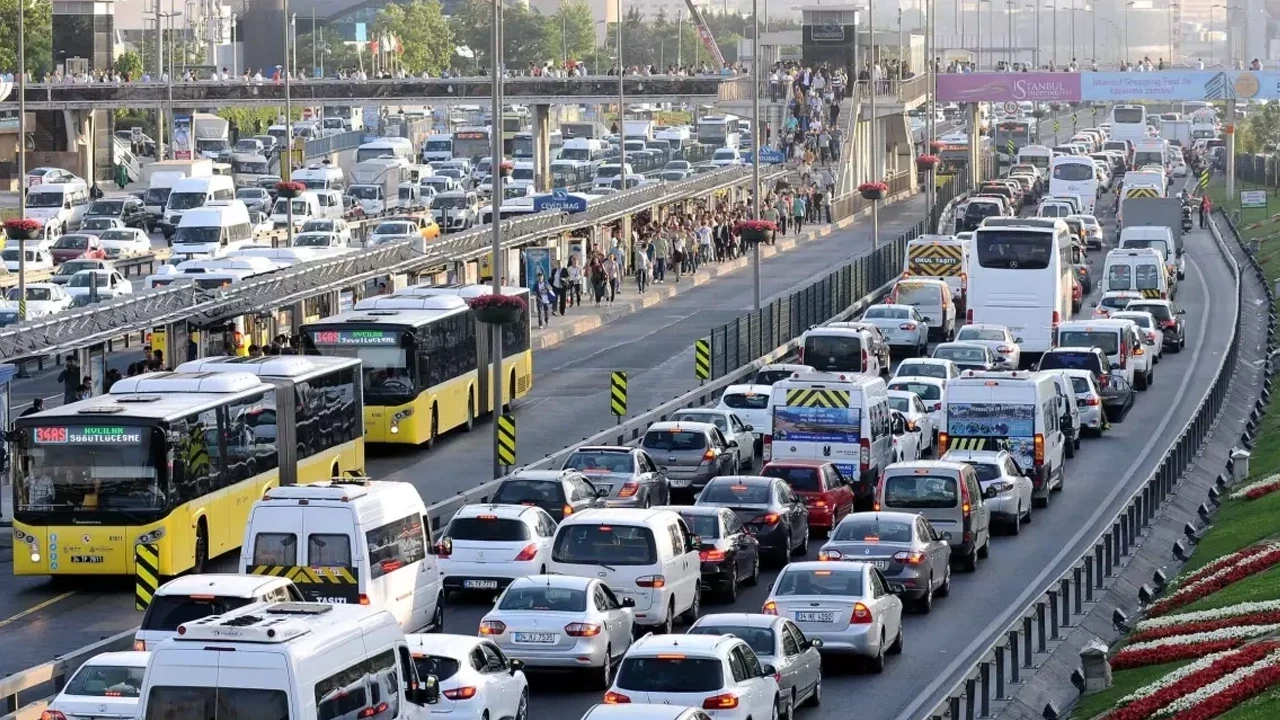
x,y
657,293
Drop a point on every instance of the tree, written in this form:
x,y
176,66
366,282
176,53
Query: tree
x,y
572,30
129,64
177,50
38,23
329,51
423,35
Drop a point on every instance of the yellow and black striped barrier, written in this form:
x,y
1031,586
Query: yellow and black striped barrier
x,y
1151,294
1010,146
308,575
618,393
506,440
972,443
934,260
1141,192
702,359
1204,180
804,397
146,573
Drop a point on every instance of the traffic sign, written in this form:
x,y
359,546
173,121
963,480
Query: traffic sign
x,y
1010,146
506,440
702,359
618,393
1204,180
146,571
1056,125
1010,108
1074,119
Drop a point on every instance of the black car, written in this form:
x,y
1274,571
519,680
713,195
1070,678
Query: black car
x,y
730,555
1169,317
560,492
769,509
1085,276
975,212
1117,393
128,210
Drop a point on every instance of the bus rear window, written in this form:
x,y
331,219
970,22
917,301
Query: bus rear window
x,y
167,612
1073,172
1014,249
605,545
832,353
1127,115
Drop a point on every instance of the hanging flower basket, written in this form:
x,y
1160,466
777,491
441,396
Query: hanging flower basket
x,y
505,168
290,189
873,190
927,162
936,146
22,229
755,231
497,309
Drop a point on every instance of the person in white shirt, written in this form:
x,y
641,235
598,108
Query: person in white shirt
x,y
1199,64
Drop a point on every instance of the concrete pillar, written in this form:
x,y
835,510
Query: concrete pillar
x,y
1231,150
85,145
542,148
975,172
624,230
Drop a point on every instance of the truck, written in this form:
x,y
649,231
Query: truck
x,y
376,183
189,168
249,168
637,129
1177,132
1160,212
212,135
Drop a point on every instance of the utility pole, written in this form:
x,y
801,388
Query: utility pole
x,y
495,134
22,156
756,136
876,142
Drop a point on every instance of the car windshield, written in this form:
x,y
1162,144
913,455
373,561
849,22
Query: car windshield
x,y
99,223
186,201
769,377
44,200
487,528
456,202
107,207
872,528
107,681
933,370
318,239
84,279
914,293
598,460
251,194
670,673
191,234
127,235
544,598
1115,302
1081,385
605,545
318,226
926,391
746,400
986,471
71,267
888,313
800,478
167,612
1141,319
674,440
760,639
11,255
920,491
836,582
517,492
717,419
34,294
363,192
900,404
1106,340
396,228
72,242
987,334
732,493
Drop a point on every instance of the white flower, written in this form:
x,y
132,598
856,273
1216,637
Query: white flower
x,y
1190,700
1175,677
1223,567
1245,608
1270,480
1228,633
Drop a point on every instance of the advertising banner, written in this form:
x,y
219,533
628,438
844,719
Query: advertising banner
x,y
1157,86
1009,87
181,137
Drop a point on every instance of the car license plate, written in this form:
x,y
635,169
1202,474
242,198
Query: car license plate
x,y
679,483
480,584
882,564
815,617
542,638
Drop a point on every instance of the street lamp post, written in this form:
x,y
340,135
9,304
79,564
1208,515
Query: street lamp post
x,y
876,142
22,156
1055,33
1037,54
622,114
1172,7
495,331
1008,53
1073,30
1127,51
756,135
1212,49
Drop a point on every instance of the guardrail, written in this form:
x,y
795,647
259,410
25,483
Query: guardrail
x,y
56,671
1011,651
332,144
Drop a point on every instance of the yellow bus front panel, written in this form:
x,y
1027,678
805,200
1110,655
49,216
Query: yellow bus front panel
x,y
65,550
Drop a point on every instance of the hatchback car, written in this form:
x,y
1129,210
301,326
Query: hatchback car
x,y
930,391
1114,301
826,493
106,686
623,476
491,545
914,558
43,299
768,508
99,225
559,492
903,327
191,597
777,642
562,622
690,453
1148,330
77,245
948,495
729,556
1005,489
718,672
999,339
1117,393
731,426
846,605
1170,318
917,416
770,374
1088,400
751,404
967,356
477,679
940,368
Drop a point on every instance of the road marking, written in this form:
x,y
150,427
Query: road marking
x,y
1037,586
36,608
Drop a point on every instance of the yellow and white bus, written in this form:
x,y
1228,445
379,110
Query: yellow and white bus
x,y
176,459
421,354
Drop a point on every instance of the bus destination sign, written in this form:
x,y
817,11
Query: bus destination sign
x,y
87,435
354,337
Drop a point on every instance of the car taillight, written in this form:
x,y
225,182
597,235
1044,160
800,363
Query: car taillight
x,y
710,454
582,629
1004,349
1168,324
567,510
937,406
966,505
766,448
1124,355
463,693
711,555
1053,327
910,558
968,316
1092,401
801,355
373,711
770,608
363,599
907,326
139,645
817,502
864,457
727,701
628,489
492,627
830,554
964,283
52,715
527,554
942,442
1039,444
652,581
866,360
613,698
768,519
861,614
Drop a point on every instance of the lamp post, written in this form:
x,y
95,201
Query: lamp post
x,y
495,342
286,162
1008,54
235,61
1172,7
622,114
1127,52
876,142
1054,8
22,156
1212,50
756,135
1035,54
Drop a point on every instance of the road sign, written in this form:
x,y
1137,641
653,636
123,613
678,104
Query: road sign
x,y
1010,146
618,393
146,571
1253,198
702,359
1011,108
1056,125
506,440
1204,179
1074,119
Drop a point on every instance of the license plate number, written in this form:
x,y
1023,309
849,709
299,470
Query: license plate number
x,y
882,564
480,584
88,559
815,617
536,637
676,482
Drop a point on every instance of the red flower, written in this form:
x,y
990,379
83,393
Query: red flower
x,y
1258,492
24,225
1266,618
1232,696
288,186
872,186
928,159
1212,567
497,301
506,165
936,146
1242,570
754,226
1144,707
1127,658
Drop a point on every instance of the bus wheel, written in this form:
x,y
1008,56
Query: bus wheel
x,y
202,547
435,426
471,411
335,472
511,393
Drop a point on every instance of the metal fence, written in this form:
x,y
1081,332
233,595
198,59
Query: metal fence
x,y
1010,653
1259,169
332,143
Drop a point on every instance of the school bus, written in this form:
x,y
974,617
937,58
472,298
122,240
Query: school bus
x,y
176,459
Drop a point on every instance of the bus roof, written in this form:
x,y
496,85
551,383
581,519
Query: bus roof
x,y
293,367
155,396
393,319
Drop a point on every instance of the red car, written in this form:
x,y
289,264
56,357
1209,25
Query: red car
x,y
1077,294
78,245
825,492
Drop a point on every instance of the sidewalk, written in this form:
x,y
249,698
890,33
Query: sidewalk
x,y
588,317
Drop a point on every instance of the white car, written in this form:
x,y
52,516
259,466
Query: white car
x,y
562,622
1114,301
1148,328
99,225
106,686
1005,489
37,259
332,225
939,368
908,444
495,544
390,231
477,680
930,390
751,403
777,642
48,176
1089,400
1179,169
715,672
319,239
916,415
730,425
726,157
644,711
770,374
847,605
42,299
999,338
125,242
110,284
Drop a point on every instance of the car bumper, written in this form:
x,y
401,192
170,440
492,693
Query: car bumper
x,y
1091,416
635,501
909,584
1004,507
586,653
686,479
773,538
476,583
717,575
854,640
822,518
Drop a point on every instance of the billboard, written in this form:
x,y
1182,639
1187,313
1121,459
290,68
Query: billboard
x,y
181,137
1156,86
1005,87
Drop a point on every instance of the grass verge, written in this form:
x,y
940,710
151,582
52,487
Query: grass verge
x,y
1122,683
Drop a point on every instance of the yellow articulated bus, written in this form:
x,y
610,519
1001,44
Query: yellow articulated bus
x,y
176,459
421,351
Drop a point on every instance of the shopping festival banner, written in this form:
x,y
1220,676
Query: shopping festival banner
x,y
1001,87
1156,86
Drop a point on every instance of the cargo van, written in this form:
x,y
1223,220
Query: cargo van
x,y
1139,269
320,177
943,257
1120,340
212,231
355,542
1160,238
932,298
192,193
157,195
841,350
61,207
305,207
948,495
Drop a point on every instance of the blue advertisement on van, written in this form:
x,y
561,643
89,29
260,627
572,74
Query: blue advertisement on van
x,y
817,424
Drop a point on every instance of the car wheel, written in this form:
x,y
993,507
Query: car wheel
x,y
969,563
754,578
1140,382
522,710
899,642
668,625
925,604
876,663
945,588
1071,448
816,698
1062,479
790,713
690,616
437,618
804,543
984,552
1015,527
605,678
1151,378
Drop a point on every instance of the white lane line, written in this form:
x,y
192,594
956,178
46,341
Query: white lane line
x,y
1041,580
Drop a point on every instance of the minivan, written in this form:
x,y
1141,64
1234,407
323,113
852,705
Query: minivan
x,y
932,298
840,350
949,496
59,206
646,555
191,193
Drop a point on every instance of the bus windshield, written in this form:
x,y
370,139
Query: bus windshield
x,y
1014,249
383,354
1128,115
89,471
1074,172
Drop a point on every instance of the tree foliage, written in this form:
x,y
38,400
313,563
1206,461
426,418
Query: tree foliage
x,y
178,53
1260,132
426,38
38,20
328,51
129,63
527,35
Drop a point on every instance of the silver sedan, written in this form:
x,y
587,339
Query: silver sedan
x,y
998,338
902,326
777,642
562,622
625,476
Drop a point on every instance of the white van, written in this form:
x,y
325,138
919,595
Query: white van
x,y
438,147
350,541
191,193
1119,340
836,417
212,231
60,206
305,207
192,597
330,204
1141,269
157,195
840,350
649,556
320,177
1160,238
1013,411
304,661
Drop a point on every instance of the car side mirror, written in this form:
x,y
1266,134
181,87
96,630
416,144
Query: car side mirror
x,y
768,670
749,428
1182,312
1017,341
444,547
516,665
990,493
628,602
427,693
733,443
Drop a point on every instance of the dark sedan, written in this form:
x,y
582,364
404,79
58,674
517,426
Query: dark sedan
x,y
730,555
128,210
768,508
966,356
904,546
560,492
1170,319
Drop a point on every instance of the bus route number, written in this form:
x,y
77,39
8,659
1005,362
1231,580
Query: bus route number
x,y
329,337
51,434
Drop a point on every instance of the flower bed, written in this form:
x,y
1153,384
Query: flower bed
x,y
1258,489
1203,626
1150,699
1216,575
1226,692
1223,613
1186,647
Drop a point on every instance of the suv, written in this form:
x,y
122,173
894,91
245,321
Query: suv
x,y
560,492
128,210
879,344
1117,393
710,671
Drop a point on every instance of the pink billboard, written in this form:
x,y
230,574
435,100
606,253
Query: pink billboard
x,y
1004,87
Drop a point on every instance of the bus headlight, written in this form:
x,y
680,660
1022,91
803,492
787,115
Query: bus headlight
x,y
153,536
35,557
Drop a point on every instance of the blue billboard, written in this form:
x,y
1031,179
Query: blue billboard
x,y
562,200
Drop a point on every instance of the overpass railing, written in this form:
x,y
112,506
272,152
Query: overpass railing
x,y
328,144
